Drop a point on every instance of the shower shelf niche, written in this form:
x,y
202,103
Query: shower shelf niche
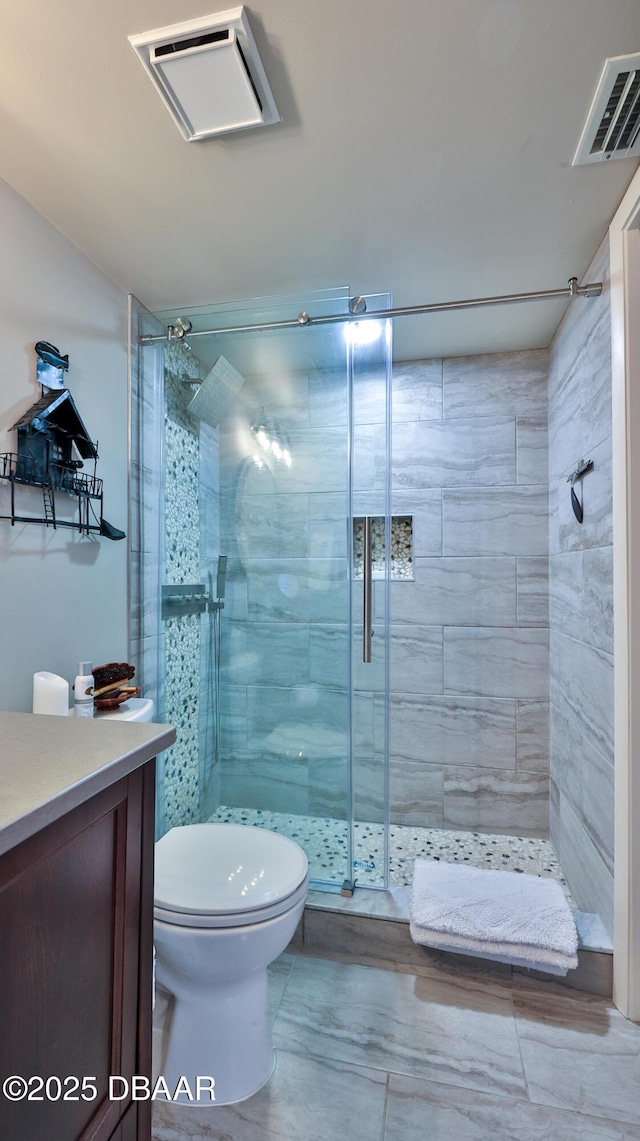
x,y
401,547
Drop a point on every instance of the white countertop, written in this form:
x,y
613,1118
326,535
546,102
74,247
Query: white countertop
x,y
49,765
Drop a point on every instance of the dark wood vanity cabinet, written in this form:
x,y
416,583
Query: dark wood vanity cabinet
x,y
76,930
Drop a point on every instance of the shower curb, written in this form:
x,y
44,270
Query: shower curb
x,y
384,942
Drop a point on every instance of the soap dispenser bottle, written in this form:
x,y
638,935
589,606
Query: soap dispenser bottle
x,y
83,691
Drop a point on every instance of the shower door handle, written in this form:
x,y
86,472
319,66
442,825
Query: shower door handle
x,y
368,593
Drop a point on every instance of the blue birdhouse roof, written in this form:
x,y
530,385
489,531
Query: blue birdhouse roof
x,y
57,410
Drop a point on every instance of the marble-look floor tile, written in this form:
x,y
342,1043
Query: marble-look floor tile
x,y
307,1099
279,972
422,1109
580,1054
461,1034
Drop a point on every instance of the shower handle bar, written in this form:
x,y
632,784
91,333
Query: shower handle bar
x,y
368,593
303,320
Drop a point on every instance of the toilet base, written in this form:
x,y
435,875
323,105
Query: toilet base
x,y
219,1025
222,1032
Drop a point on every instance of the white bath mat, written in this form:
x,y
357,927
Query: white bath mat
x,y
506,916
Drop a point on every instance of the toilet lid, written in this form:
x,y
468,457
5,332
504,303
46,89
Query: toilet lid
x,y
222,869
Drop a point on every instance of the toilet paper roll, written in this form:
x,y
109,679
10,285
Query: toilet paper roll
x,y
50,694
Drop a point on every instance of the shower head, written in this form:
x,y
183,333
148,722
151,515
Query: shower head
x,y
215,393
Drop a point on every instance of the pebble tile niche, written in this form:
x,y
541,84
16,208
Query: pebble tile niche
x,y
401,547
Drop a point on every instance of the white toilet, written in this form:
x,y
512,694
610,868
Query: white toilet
x,y
228,899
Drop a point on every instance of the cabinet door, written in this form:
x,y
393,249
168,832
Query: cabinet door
x,y
70,940
127,1128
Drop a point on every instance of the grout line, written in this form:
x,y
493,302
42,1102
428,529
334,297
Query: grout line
x,y
386,1107
520,1055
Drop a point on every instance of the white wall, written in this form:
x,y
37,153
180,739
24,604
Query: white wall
x,y
62,597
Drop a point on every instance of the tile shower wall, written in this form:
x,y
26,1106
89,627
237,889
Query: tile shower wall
x,y
469,637
581,600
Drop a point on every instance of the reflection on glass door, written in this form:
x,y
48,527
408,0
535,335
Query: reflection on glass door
x,y
263,479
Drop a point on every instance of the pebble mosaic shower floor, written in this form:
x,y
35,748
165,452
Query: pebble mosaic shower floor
x,y
325,842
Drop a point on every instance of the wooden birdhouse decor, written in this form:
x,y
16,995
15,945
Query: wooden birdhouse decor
x,y
53,444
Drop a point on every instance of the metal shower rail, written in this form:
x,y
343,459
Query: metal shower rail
x,y
358,312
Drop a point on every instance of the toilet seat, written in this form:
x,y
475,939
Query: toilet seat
x,y
239,919
226,875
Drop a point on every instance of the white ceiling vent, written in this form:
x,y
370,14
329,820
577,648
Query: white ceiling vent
x,y
612,129
209,74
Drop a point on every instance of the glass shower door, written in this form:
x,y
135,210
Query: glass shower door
x,y
370,368
280,721
284,472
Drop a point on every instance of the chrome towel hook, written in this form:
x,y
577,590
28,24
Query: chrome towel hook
x,y
577,476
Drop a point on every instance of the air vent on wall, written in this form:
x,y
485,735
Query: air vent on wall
x,y
209,74
612,129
